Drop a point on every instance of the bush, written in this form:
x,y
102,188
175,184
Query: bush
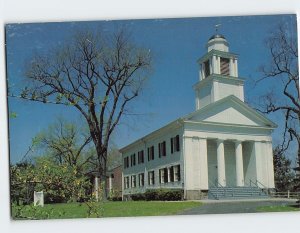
x,y
159,195
138,197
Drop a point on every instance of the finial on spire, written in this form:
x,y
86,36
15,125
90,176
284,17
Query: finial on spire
x,y
217,27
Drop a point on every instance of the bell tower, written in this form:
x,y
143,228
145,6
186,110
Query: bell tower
x,y
218,75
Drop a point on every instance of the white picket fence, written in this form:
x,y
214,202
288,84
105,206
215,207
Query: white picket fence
x,y
287,194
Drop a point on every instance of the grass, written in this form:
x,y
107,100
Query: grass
x,y
277,209
110,209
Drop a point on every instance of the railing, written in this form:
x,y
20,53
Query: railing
x,y
287,194
259,185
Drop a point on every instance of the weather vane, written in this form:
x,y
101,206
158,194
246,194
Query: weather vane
x,y
217,27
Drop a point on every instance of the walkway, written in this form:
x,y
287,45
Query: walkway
x,y
236,206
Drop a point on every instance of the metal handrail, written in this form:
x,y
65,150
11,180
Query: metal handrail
x,y
220,186
264,188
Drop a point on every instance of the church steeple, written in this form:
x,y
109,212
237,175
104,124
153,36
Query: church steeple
x,y
218,75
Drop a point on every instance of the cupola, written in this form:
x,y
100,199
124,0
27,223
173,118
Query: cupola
x,y
218,73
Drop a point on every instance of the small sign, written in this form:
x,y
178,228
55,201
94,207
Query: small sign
x,y
38,198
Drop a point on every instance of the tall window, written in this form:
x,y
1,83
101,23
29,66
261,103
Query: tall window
x,y
141,179
126,182
151,153
224,66
126,162
133,181
140,157
206,69
163,175
132,160
162,149
151,180
177,173
175,144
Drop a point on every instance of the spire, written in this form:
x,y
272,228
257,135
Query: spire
x,y
217,27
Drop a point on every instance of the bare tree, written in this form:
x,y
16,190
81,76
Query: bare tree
x,y
283,67
98,75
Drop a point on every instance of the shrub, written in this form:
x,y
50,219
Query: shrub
x,y
159,195
138,197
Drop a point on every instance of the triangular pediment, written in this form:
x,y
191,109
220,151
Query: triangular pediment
x,y
230,110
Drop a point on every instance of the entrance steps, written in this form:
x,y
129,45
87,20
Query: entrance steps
x,y
218,193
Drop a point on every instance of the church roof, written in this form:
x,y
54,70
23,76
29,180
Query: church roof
x,y
239,113
200,116
217,36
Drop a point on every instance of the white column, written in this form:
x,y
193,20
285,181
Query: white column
x,y
202,72
231,67
96,188
214,64
169,174
239,164
236,68
218,65
221,162
210,66
203,164
269,154
110,183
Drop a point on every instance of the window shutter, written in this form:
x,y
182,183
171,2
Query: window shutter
x,y
177,143
178,167
172,174
159,150
164,148
152,150
148,150
160,176
134,158
165,175
172,149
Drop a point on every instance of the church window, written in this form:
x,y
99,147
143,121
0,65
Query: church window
x,y
126,182
206,69
141,179
132,160
163,175
175,144
162,149
126,162
177,173
140,157
133,181
224,66
151,180
151,153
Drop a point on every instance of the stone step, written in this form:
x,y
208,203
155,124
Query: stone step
x,y
235,193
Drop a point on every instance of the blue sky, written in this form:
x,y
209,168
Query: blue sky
x,y
175,44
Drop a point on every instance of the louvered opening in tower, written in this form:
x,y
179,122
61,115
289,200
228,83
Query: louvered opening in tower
x,y
224,66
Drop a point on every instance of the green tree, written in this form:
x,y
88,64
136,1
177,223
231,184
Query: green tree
x,y
97,75
67,143
282,171
60,183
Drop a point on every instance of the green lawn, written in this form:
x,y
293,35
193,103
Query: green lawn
x,y
277,209
110,209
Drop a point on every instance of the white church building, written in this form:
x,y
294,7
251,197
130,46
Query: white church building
x,y
223,148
